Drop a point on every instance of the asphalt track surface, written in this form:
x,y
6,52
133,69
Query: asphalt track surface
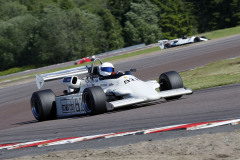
x,y
18,125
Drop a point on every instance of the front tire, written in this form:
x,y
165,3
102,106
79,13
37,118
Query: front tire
x,y
94,100
170,80
43,105
197,39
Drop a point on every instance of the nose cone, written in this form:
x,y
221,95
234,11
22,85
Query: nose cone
x,y
141,89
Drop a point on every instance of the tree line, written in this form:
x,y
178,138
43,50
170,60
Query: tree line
x,y
52,31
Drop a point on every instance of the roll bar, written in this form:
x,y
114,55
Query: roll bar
x,y
93,64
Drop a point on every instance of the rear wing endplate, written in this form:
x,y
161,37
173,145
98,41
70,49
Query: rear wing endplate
x,y
40,79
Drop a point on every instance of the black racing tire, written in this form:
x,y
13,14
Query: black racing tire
x,y
94,100
43,105
197,39
170,80
167,45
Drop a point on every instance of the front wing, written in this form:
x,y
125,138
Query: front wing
x,y
162,94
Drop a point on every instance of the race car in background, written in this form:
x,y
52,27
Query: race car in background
x,y
164,44
101,89
85,60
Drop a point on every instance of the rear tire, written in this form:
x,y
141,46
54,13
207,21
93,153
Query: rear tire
x,y
43,105
94,100
167,45
170,80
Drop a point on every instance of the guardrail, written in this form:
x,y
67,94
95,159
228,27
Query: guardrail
x,y
126,49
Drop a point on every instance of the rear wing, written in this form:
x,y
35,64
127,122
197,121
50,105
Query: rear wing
x,y
40,79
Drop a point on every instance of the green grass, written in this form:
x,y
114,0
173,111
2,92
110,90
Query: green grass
x,y
222,33
133,54
15,70
223,72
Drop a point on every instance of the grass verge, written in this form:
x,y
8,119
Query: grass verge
x,y
133,54
220,73
15,70
222,33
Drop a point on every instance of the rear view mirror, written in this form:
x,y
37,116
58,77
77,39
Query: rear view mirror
x,y
133,70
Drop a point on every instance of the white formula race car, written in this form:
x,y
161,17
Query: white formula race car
x,y
165,44
95,94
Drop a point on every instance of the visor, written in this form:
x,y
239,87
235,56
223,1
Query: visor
x,y
107,69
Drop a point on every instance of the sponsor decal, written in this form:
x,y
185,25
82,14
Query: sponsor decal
x,y
67,79
67,105
90,85
130,80
111,84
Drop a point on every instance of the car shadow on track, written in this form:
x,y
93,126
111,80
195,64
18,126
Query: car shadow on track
x,y
162,101
27,122
122,109
132,107
141,105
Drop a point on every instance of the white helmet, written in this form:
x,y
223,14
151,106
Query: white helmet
x,y
106,69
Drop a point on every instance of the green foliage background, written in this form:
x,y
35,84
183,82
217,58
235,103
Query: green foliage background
x,y
43,32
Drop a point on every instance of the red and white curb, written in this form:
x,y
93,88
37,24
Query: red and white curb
x,y
59,141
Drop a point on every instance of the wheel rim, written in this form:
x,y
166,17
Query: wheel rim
x,y
164,85
35,110
87,102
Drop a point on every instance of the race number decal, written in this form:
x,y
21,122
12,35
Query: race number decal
x,y
72,105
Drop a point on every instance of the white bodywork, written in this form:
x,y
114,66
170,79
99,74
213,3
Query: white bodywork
x,y
131,90
164,44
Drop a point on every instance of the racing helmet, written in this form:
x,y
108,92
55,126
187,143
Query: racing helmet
x,y
106,69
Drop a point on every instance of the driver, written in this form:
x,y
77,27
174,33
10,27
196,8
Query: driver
x,y
106,69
